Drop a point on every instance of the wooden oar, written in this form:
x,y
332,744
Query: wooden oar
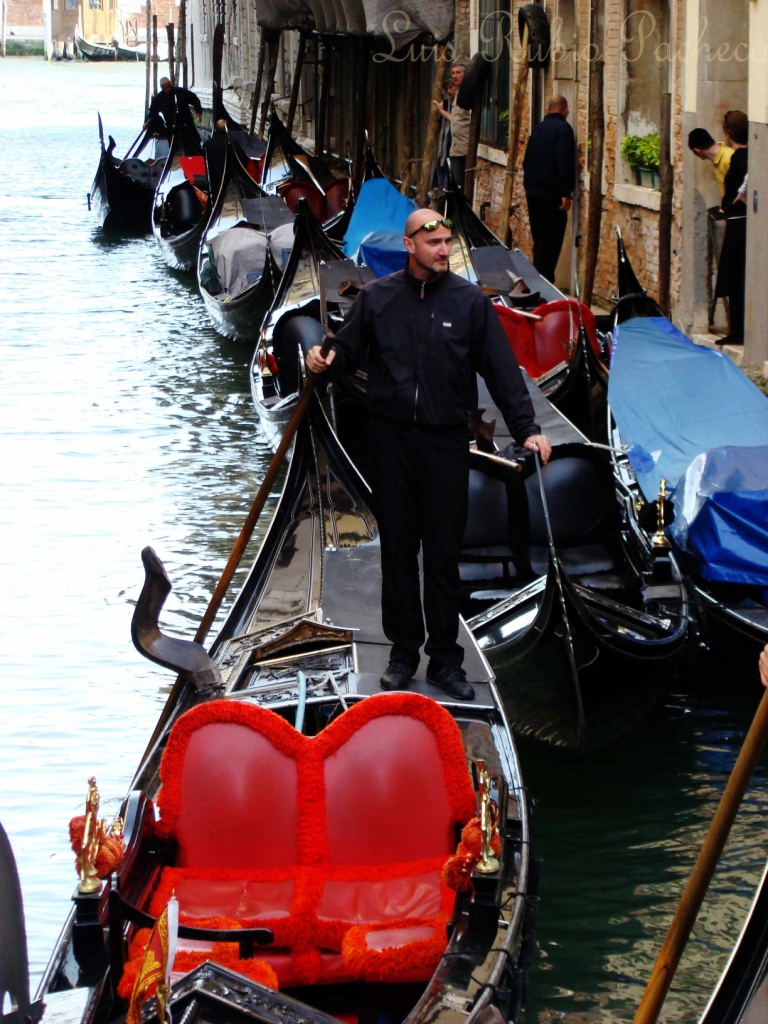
x,y
693,896
242,541
260,500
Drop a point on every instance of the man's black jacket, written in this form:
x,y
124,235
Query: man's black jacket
x,y
549,167
174,105
421,345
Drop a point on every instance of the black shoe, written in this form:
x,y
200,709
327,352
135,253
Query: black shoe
x,y
397,676
731,339
452,680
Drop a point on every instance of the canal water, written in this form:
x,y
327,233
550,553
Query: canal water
x,y
125,421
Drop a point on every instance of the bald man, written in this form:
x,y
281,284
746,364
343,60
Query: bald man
x,y
171,106
549,177
422,333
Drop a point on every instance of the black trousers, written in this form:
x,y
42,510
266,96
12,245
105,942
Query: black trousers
x,y
420,478
548,224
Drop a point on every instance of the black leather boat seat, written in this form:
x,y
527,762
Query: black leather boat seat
x,y
500,511
144,173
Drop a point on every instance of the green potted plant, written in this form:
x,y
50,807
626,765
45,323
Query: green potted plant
x,y
641,152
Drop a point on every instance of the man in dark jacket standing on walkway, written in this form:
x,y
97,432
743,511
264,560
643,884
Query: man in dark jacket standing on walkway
x,y
422,333
549,175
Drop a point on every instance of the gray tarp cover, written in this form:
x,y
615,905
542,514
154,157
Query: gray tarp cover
x,y
397,22
280,243
239,253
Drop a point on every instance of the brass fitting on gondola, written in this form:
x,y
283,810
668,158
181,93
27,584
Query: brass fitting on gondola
x,y
489,817
659,540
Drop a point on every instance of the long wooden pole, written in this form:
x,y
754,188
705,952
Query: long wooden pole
x,y
181,50
296,81
170,32
693,896
148,59
521,88
408,126
322,97
434,116
246,532
257,87
259,501
273,43
597,138
154,54
665,206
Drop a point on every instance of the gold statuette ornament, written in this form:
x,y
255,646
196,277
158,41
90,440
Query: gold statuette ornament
x,y
489,817
98,849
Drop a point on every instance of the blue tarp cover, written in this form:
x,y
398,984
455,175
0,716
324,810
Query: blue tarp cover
x,y
691,416
379,207
383,252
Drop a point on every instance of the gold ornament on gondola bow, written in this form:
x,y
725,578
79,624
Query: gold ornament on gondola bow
x,y
480,844
98,848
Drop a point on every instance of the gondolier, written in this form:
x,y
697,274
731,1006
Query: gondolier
x,y
422,333
171,105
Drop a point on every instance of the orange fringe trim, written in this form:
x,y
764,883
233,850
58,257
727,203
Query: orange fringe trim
x,y
457,871
226,954
377,964
110,851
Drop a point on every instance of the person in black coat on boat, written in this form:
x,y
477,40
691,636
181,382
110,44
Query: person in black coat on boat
x,y
422,334
170,106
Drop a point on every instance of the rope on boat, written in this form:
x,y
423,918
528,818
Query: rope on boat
x,y
331,678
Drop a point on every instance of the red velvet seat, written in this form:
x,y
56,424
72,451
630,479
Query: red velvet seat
x,y
193,167
556,334
335,842
336,196
519,331
296,190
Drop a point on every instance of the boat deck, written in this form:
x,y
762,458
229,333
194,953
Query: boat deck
x,y
352,599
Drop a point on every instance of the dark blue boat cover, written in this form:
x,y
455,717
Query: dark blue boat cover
x,y
379,207
690,416
382,252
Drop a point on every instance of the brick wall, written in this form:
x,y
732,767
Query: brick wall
x,y
23,14
638,224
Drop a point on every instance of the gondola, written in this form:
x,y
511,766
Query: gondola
x,y
583,621
306,822
555,338
691,418
292,325
182,199
586,630
741,994
180,206
93,50
236,270
123,190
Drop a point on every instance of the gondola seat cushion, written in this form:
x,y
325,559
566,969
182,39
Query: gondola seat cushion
x,y
519,331
335,842
296,190
193,167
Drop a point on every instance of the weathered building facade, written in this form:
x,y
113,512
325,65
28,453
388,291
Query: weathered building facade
x,y
627,68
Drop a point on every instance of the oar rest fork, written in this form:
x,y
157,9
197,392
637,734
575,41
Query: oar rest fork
x,y
334,842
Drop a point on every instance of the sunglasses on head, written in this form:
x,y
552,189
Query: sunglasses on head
x,y
432,225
